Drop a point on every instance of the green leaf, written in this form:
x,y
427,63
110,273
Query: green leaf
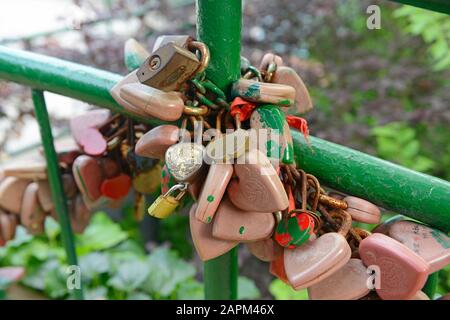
x,y
97,293
129,276
282,291
93,264
36,279
167,271
52,228
102,233
138,296
190,290
55,283
247,289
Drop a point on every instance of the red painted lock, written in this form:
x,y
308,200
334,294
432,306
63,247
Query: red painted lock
x,y
117,187
294,230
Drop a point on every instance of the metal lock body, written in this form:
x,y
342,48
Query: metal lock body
x,y
184,160
168,68
166,204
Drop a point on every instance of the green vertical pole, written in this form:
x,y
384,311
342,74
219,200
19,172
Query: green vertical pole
x,y
431,285
219,27
54,178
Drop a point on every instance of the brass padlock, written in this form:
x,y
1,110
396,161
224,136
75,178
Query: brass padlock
x,y
166,204
168,68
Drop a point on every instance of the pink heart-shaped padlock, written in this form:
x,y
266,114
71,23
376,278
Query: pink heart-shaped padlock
x,y
401,271
85,131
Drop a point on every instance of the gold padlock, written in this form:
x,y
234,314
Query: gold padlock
x,y
166,204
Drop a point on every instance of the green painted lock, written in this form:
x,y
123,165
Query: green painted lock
x,y
279,143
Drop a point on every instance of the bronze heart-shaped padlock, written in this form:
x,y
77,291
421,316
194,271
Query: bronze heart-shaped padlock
x,y
231,223
347,283
207,246
257,187
401,271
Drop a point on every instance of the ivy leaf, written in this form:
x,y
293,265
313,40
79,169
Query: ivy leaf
x,y
190,290
93,265
129,276
167,270
36,278
102,233
55,283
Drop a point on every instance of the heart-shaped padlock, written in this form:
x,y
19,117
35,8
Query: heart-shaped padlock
x,y
213,189
277,138
185,159
347,283
207,246
265,250
257,187
288,76
11,193
117,187
231,223
401,271
316,260
88,176
155,143
431,244
32,216
85,131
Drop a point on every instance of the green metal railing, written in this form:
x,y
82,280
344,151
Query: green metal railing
x,y
391,186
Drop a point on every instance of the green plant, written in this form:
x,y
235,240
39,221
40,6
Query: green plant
x,y
113,265
434,28
282,291
397,142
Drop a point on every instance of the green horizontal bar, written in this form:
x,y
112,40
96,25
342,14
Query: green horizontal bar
x,y
391,186
433,5
384,183
62,77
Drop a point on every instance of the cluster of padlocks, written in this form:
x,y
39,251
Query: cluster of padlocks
x,y
242,174
234,155
99,168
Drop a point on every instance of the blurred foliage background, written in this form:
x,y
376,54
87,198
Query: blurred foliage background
x,y
384,92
